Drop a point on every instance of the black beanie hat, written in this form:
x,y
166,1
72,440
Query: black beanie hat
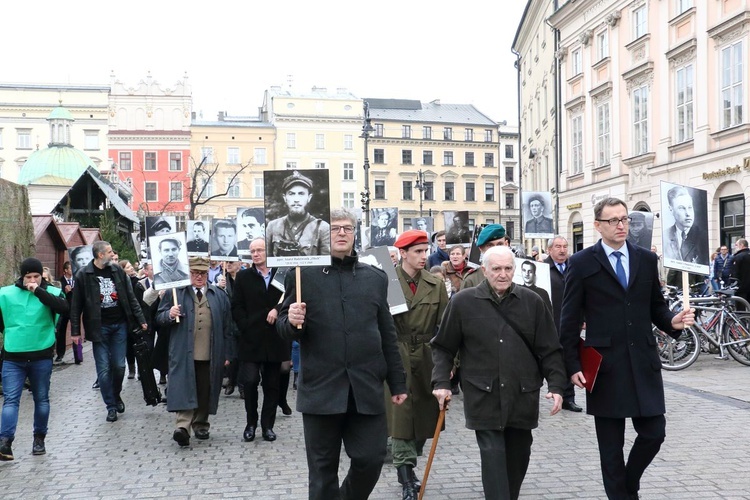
x,y
31,265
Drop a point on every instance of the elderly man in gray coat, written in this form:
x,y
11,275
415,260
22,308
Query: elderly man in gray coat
x,y
198,351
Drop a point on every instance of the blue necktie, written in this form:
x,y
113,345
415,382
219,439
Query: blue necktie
x,y
620,271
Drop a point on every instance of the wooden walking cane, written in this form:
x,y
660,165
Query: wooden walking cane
x,y
441,420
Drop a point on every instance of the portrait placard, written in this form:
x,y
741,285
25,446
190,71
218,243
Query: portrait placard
x,y
224,240
457,227
251,224
380,257
537,214
534,276
298,211
641,229
684,219
384,226
198,237
160,224
475,256
80,257
426,224
170,261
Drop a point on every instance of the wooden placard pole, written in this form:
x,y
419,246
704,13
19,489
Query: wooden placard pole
x,y
298,290
685,290
174,298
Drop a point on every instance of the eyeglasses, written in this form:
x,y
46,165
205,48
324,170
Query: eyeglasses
x,y
614,222
346,229
199,273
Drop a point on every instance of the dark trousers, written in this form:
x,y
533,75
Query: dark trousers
x,y
249,376
61,335
364,438
622,480
505,458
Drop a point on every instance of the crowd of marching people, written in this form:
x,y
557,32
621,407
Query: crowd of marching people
x,y
364,378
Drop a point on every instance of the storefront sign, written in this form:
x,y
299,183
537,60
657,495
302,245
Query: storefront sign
x,y
574,206
723,172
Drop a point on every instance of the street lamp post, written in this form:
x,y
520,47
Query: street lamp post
x,y
367,129
419,184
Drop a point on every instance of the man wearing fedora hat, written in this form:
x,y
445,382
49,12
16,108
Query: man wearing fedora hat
x,y
198,351
298,232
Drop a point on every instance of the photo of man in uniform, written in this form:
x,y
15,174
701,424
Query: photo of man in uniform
x,y
528,274
458,228
224,239
640,231
383,230
298,233
539,223
199,241
251,225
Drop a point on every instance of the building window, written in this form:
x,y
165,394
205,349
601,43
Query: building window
x,y
207,187
175,161
406,223
509,150
640,121
469,159
732,213
150,190
379,156
429,190
731,85
472,222
320,164
406,156
1,138
602,135
489,159
469,135
426,157
510,227
489,221
509,200
259,156
380,190
683,5
488,135
407,193
90,139
258,190
406,131
175,191
508,174
233,156
291,165
470,193
447,157
24,139
348,142
448,134
233,188
348,201
576,145
149,162
348,171
320,141
378,130
207,155
575,61
426,132
602,44
291,140
126,160
639,22
684,96
489,191
450,191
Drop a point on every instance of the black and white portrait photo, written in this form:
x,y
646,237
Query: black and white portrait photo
x,y
198,236
170,260
641,229
426,224
80,257
537,214
251,224
161,224
383,226
534,276
684,219
297,211
224,240
457,227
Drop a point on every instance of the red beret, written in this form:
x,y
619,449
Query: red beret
x,y
410,238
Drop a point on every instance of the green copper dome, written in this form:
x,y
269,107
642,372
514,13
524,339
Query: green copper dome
x,y
54,166
60,113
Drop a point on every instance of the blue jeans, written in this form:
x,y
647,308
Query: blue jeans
x,y
109,356
295,356
14,375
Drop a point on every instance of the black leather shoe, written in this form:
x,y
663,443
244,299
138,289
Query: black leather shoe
x,y
269,435
202,434
249,433
120,405
229,390
111,416
285,409
571,406
95,385
181,436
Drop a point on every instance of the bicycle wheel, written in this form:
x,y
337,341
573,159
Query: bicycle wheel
x,y
738,333
677,354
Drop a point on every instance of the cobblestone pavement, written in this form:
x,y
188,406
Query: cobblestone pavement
x,y
705,455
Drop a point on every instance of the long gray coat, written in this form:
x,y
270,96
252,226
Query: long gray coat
x,y
182,389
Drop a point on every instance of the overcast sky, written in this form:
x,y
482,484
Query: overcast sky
x,y
458,52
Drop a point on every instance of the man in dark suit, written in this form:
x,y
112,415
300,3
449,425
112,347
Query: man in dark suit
x,y
348,350
557,258
685,241
615,287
